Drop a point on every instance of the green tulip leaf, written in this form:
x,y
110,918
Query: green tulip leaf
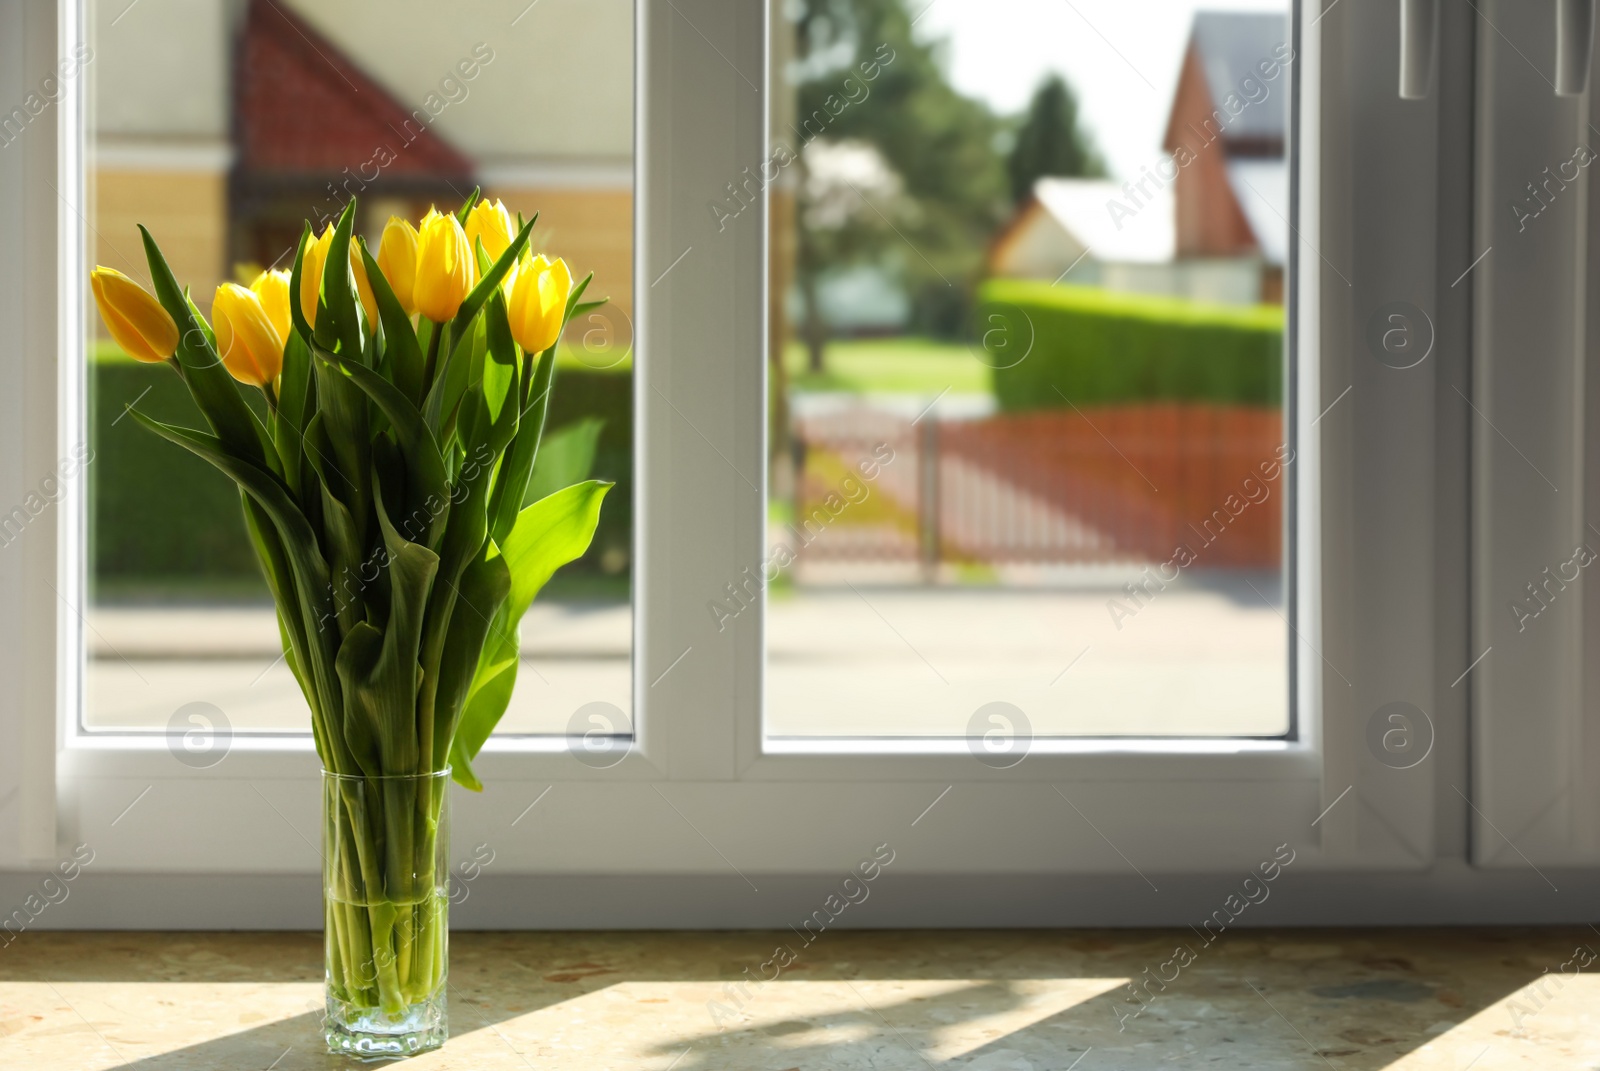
x,y
299,541
346,560
566,456
297,312
400,340
337,325
295,403
496,391
483,588
464,542
345,455
515,471
427,490
547,535
214,390
291,626
576,294
380,670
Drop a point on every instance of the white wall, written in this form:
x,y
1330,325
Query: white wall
x,y
560,84
161,67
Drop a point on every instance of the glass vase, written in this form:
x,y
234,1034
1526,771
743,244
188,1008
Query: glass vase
x,y
385,894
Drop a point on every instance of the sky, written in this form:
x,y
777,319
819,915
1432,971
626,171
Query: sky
x,y
1120,56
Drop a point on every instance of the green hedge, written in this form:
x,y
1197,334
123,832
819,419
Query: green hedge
x,y
163,522
1100,347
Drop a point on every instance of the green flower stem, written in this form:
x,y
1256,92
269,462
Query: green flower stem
x,y
385,908
432,360
381,912
426,969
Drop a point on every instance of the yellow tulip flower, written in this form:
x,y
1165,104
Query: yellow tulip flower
x,y
144,330
490,224
312,267
271,288
539,303
316,256
397,259
251,348
445,271
369,300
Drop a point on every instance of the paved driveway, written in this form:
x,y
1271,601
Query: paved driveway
x,y
1206,656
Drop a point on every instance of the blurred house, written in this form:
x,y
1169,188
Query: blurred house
x,y
222,124
311,129
1063,233
1210,220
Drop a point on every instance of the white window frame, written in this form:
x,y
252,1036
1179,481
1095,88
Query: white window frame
x,y
1380,520
1536,473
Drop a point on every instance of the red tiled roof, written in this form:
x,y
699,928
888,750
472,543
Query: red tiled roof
x,y
302,107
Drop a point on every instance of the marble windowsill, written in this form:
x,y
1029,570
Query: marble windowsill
x,y
989,1001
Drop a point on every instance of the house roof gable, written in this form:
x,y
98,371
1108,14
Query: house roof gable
x,y
302,107
1232,45
1227,50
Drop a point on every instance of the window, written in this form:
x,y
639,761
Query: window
x,y
222,129
782,724
1029,452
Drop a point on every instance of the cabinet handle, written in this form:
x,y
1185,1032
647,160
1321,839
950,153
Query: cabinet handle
x,y
1574,31
1418,22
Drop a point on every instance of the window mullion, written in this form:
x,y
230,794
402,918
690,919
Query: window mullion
x,y
699,378
1375,270
1533,740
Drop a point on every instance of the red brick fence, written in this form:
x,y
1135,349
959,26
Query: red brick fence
x,y
1126,483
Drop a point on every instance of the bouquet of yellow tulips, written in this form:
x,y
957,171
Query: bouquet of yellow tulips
x,y
383,485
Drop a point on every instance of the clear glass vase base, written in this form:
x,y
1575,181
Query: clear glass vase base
x,y
369,1034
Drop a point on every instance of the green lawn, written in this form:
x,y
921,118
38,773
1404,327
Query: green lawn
x,y
890,366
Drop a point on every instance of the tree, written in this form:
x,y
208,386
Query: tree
x,y
861,79
1050,141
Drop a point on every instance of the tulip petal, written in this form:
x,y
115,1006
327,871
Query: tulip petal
x,y
136,320
397,259
272,288
444,267
251,348
316,258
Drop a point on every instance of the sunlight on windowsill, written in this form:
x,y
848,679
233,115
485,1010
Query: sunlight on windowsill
x,y
1410,1000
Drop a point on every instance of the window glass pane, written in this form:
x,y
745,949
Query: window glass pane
x,y
222,127
1028,435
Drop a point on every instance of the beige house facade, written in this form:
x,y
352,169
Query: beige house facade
x,y
219,124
